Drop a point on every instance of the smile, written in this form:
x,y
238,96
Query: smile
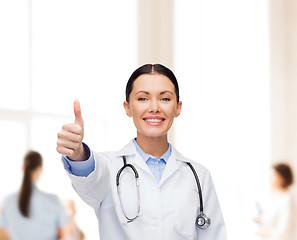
x,y
153,120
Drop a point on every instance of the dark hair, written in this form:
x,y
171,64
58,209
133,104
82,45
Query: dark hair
x,y
151,69
32,161
285,172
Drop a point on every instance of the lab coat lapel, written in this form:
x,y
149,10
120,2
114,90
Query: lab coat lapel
x,y
139,163
171,165
133,157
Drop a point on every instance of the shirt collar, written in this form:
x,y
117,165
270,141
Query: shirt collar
x,y
146,156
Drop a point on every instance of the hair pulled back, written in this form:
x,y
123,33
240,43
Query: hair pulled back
x,y
285,171
32,161
151,69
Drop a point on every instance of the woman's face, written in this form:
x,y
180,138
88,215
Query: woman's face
x,y
153,105
276,180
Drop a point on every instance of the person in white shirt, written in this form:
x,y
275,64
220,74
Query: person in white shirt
x,y
276,220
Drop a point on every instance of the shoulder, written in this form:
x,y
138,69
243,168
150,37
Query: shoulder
x,y
197,166
11,196
10,199
128,149
289,198
49,197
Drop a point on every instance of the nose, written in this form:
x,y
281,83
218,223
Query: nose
x,y
154,107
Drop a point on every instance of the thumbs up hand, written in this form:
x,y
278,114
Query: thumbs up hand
x,y
70,138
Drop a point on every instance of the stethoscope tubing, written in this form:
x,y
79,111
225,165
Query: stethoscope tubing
x,y
198,186
137,186
201,217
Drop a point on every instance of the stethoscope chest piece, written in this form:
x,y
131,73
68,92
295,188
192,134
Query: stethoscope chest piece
x,y
203,221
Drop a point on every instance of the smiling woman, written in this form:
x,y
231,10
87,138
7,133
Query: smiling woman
x,y
166,202
153,106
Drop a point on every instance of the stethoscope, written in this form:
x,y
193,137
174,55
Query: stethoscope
x,y
202,220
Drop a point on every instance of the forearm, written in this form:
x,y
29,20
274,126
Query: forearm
x,y
4,234
61,234
93,188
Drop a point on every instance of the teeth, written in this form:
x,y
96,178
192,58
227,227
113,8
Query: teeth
x,y
153,120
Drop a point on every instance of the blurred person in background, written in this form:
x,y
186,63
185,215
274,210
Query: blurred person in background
x,y
276,217
32,214
72,231
3,232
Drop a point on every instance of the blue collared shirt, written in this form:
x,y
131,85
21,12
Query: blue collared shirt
x,y
80,168
84,168
156,165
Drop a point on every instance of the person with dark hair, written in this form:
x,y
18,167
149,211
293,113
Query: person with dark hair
x,y
31,213
282,178
276,220
147,190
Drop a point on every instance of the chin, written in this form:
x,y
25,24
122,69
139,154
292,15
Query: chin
x,y
155,135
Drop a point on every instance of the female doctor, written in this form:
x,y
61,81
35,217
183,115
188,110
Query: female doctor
x,y
147,190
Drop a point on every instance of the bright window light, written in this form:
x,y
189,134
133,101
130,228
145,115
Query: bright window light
x,y
54,52
14,62
13,141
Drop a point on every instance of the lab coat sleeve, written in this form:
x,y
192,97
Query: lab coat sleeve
x,y
217,228
93,188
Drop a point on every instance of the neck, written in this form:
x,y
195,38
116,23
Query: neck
x,y
155,146
281,190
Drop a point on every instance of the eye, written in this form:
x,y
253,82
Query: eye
x,y
141,99
165,99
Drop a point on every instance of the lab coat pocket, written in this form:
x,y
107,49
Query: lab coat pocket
x,y
185,231
185,214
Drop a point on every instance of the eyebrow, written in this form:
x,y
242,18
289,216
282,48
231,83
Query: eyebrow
x,y
163,92
142,92
166,91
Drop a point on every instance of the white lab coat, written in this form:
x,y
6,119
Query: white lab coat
x,y
168,209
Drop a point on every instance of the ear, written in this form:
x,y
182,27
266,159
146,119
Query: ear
x,y
127,108
178,109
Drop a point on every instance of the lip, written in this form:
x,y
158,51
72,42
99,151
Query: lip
x,y
154,120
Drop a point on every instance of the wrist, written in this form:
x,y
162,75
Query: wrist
x,y
82,154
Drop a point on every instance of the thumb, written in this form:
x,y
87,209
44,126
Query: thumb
x,y
77,112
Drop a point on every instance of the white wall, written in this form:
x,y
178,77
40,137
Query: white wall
x,y
283,39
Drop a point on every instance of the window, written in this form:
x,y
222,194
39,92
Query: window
x,y
53,52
